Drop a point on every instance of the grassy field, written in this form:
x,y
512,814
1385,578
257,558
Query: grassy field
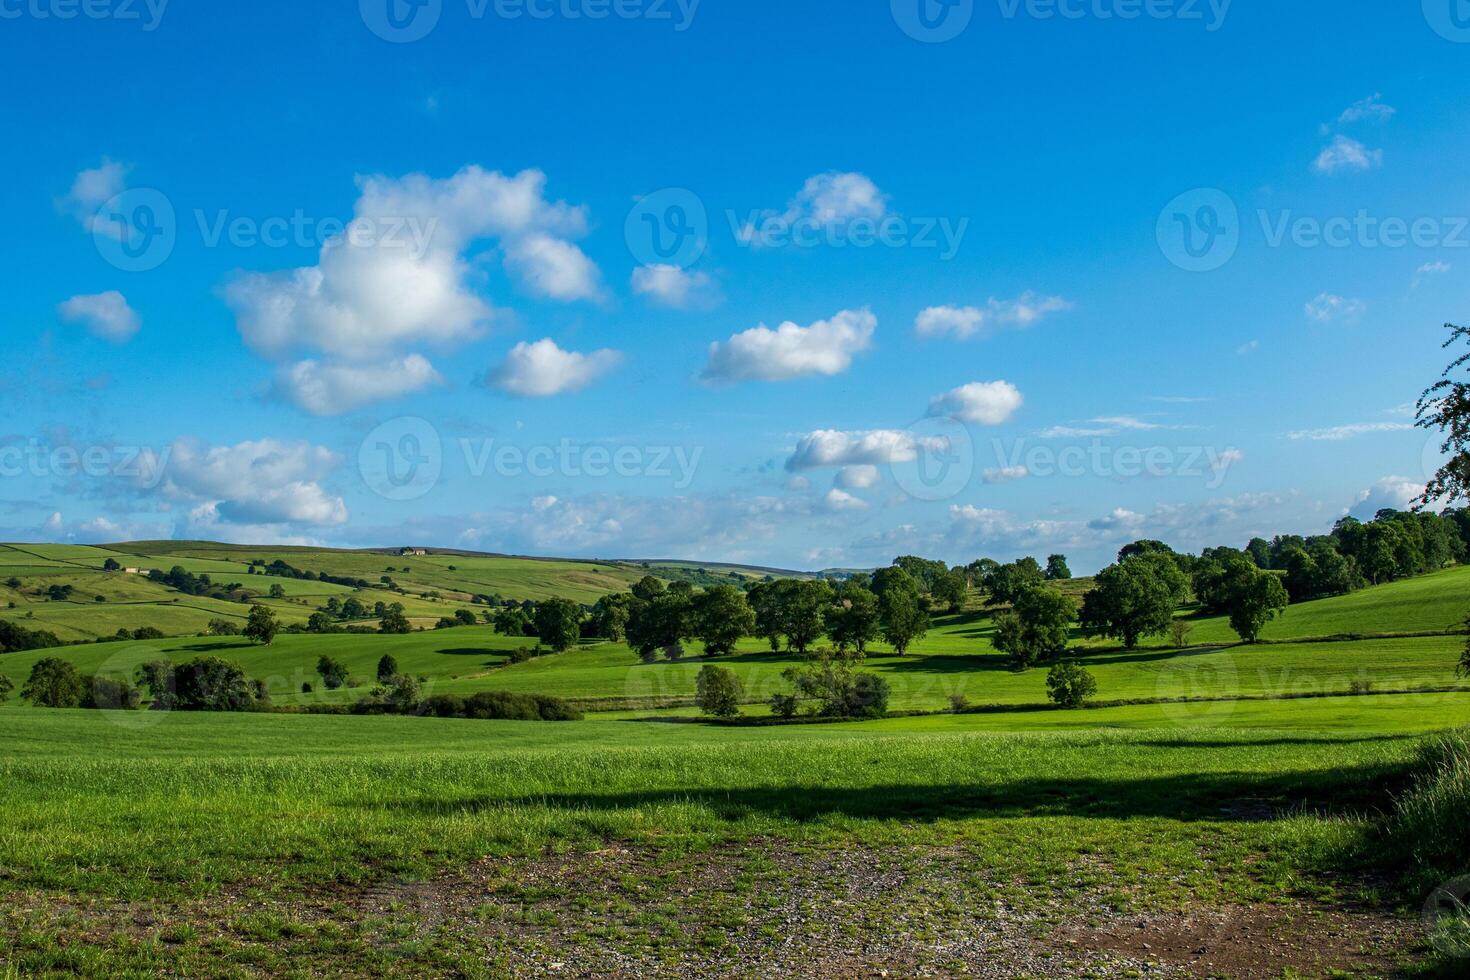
x,y
639,842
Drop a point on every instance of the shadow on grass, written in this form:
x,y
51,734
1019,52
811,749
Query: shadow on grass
x,y
1215,797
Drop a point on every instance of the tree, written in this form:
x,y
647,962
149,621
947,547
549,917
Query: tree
x,y
1037,627
1006,583
1134,598
6,686
212,684
648,588
610,616
659,624
1069,685
387,668
1260,552
278,591
718,691
111,565
333,671
903,617
353,608
854,621
950,588
159,677
223,627
804,604
393,620
1218,574
512,621
466,617
54,683
320,622
765,600
558,623
1445,405
1256,603
261,627
1056,568
843,692
722,617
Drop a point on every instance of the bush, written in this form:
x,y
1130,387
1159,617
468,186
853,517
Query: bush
x,y
147,633
958,703
212,684
718,691
112,694
444,706
867,697
1070,685
783,705
333,671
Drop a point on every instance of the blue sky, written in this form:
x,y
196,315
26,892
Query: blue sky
x,y
976,243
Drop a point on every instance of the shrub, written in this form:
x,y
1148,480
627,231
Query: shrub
x,y
212,684
867,697
306,687
333,671
718,691
112,693
1360,687
6,686
158,677
1070,685
783,705
54,683
223,627
958,702
444,706
147,633
387,667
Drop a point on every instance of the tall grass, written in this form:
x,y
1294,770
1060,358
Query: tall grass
x,y
1430,823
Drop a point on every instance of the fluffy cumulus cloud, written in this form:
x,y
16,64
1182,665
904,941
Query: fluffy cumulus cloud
x,y
543,369
106,315
1344,155
980,402
831,200
671,286
840,500
964,322
404,275
334,388
827,347
859,477
260,482
90,190
1391,492
876,447
1330,308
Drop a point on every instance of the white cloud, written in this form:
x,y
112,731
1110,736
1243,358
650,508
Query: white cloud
x,y
829,447
1345,153
90,190
860,477
980,402
1103,425
332,389
1006,474
1341,432
255,482
1429,269
1074,432
106,315
542,369
963,322
1119,519
1371,109
1329,308
1127,422
827,347
554,268
830,200
841,500
669,285
1391,492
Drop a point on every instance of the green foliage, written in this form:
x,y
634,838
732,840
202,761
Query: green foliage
x,y
513,621
261,627
501,706
212,684
648,588
393,621
6,687
722,618
223,627
558,623
842,691
1069,684
901,614
387,668
54,683
1134,598
661,623
950,588
1037,627
1255,602
718,691
1427,830
111,693
1007,583
13,638
334,673
610,616
855,619
1056,568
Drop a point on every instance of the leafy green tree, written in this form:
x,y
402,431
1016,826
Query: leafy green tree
x,y
558,623
392,620
1007,583
387,668
1036,628
278,591
765,600
159,678
1134,598
842,691
1070,685
261,627
54,683
903,617
334,672
659,624
648,588
1260,551
1445,405
212,684
949,587
111,565
1256,603
924,571
1217,575
1056,568
722,617
610,616
223,627
804,605
512,621
718,691
354,608
466,617
6,686
854,620
320,622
